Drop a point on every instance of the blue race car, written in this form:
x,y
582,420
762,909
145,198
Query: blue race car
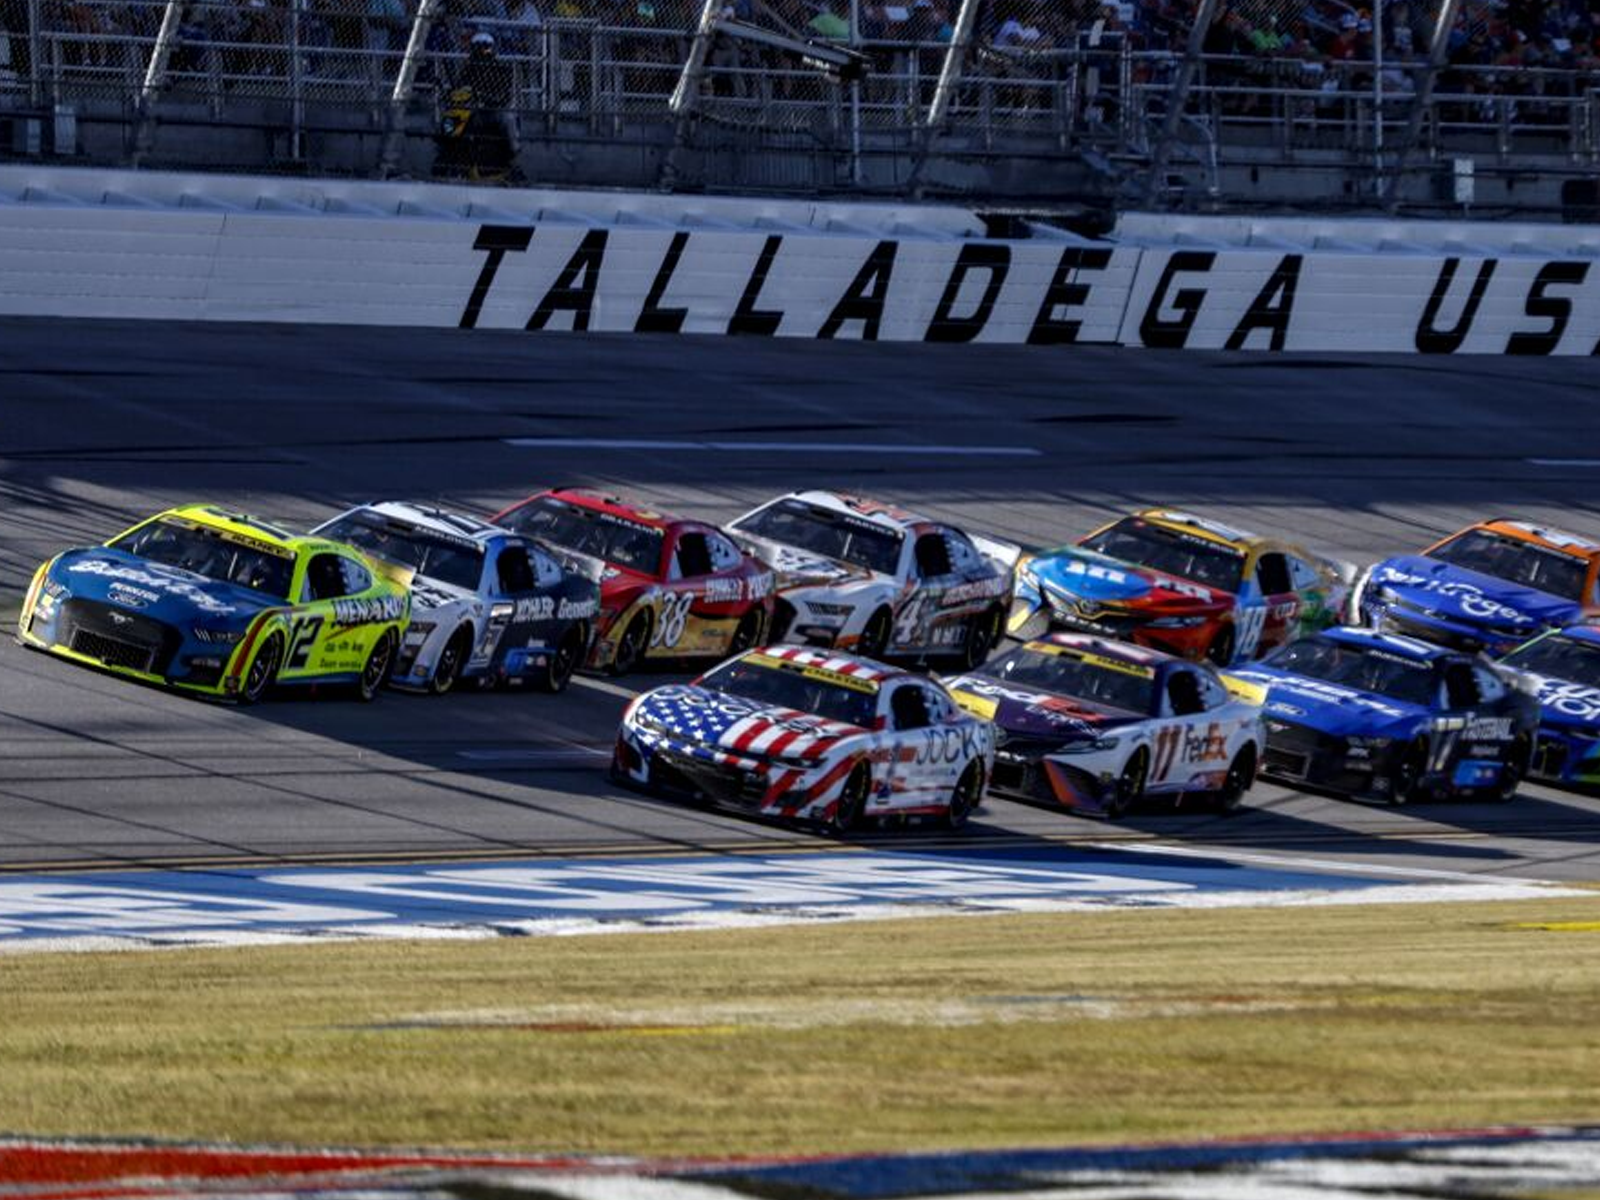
x,y
1564,667
1375,715
1490,587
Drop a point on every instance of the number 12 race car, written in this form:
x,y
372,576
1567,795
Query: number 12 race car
x,y
221,604
487,605
1094,726
858,575
669,588
812,736
1179,583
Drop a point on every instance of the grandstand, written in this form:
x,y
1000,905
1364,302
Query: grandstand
x,y
1457,105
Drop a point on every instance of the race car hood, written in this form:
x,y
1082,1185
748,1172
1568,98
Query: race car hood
x,y
164,593
801,568
1330,707
1457,594
1036,714
733,723
1086,575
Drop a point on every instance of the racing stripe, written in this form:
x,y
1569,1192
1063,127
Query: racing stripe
x,y
836,775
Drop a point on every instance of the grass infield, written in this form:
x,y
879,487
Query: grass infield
x,y
956,1033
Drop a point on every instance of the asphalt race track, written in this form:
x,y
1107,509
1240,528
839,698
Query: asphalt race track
x,y
102,423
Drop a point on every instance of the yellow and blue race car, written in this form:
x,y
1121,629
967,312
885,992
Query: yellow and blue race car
x,y
221,604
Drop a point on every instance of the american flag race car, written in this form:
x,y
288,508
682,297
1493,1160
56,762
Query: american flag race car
x,y
856,574
811,736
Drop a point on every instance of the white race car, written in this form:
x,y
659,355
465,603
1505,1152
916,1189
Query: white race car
x,y
858,575
809,735
486,604
1094,725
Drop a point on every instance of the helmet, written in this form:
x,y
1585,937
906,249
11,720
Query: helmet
x,y
483,42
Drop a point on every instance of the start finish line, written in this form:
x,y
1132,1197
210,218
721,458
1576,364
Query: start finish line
x,y
631,894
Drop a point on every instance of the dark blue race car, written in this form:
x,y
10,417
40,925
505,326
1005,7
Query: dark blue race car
x,y
1490,587
1391,718
1564,667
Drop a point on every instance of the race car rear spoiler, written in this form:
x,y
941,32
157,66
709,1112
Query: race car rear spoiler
x,y
1002,554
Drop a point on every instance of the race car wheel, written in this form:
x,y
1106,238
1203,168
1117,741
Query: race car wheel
x,y
559,666
630,649
747,634
852,803
1516,768
1130,785
874,641
982,636
1405,783
450,659
377,668
969,790
263,670
1221,649
1240,773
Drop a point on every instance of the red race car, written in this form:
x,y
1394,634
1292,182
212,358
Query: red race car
x,y
669,587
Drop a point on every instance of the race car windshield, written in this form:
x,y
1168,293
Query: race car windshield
x,y
827,534
206,552
1136,541
1571,659
1363,668
791,688
591,532
1082,679
1515,561
459,564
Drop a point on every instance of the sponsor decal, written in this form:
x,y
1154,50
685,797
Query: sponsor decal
x,y
577,610
978,589
129,596
154,576
1471,598
1570,699
721,590
368,610
821,674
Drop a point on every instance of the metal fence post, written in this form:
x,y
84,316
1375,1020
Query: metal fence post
x,y
686,95
1422,100
855,98
405,82
955,59
1178,98
35,50
297,98
155,76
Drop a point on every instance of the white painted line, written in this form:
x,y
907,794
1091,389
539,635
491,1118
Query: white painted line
x,y
603,685
536,443
1564,462
1334,866
577,755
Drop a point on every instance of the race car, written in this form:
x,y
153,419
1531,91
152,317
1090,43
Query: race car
x,y
1491,586
214,602
669,587
859,575
1563,668
1095,725
809,736
1391,718
486,605
1180,583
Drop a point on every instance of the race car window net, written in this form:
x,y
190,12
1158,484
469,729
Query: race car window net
x,y
1516,561
458,563
209,553
588,531
1069,675
324,579
514,572
826,533
1143,544
693,556
1361,668
1558,657
1272,573
933,556
791,688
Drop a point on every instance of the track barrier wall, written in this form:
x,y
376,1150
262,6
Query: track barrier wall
x,y
125,245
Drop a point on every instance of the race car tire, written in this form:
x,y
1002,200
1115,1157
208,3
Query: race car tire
x,y
1405,781
1222,646
558,668
983,635
874,641
263,670
631,646
1516,767
376,670
747,634
1130,785
448,668
964,799
852,803
1240,772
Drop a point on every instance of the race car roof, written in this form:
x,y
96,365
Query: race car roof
x,y
1540,535
614,506
1202,527
1393,643
442,521
1583,633
1122,652
851,667
240,526
890,516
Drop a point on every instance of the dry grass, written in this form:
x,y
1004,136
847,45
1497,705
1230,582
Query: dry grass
x,y
939,1033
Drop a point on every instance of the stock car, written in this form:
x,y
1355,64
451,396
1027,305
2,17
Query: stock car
x,y
221,604
1491,587
1180,583
486,605
669,587
1095,725
809,736
1392,718
1563,668
859,575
